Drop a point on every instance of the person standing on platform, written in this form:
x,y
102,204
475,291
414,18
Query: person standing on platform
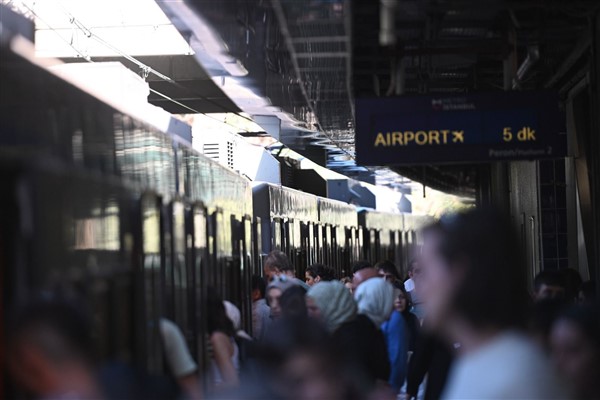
x,y
317,273
179,359
476,299
356,339
575,344
275,264
361,272
278,265
223,349
375,301
402,305
409,284
395,333
261,312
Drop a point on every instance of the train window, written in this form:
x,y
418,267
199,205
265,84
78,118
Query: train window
x,y
220,254
320,244
247,248
198,279
234,274
258,249
310,243
151,246
276,234
180,279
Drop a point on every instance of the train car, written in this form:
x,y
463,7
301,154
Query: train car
x,y
287,220
338,235
102,207
389,236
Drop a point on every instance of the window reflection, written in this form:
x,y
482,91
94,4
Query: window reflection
x,y
99,231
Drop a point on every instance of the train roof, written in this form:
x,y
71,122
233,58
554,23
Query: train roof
x,y
67,121
273,201
335,212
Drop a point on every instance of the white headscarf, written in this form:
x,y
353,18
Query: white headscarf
x,y
375,299
335,303
234,314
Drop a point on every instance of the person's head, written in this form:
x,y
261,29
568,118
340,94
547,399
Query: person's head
x,y
363,275
387,270
331,303
575,342
347,282
274,291
49,349
216,315
359,265
548,285
302,362
375,299
258,287
292,302
277,263
587,293
572,282
317,273
412,264
402,302
541,319
471,274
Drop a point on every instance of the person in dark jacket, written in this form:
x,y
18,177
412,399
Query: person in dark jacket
x,y
432,357
357,339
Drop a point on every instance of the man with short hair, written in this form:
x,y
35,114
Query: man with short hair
x,y
548,285
363,270
276,264
388,271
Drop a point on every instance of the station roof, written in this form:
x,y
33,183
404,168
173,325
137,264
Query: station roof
x,y
319,55
306,61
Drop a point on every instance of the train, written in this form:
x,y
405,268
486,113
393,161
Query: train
x,y
100,205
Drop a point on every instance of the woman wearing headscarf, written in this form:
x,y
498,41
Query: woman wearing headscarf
x,y
357,338
375,299
331,303
274,291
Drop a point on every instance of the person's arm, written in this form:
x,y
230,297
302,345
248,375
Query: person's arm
x,y
419,364
222,352
179,359
190,384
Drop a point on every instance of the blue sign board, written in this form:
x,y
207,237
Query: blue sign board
x,y
459,128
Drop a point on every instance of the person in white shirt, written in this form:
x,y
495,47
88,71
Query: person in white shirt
x,y
179,360
476,297
409,284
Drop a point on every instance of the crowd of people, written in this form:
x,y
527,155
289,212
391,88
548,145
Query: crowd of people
x,y
462,325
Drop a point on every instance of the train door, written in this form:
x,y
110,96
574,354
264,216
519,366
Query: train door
x,y
305,239
199,276
335,251
151,299
360,243
234,274
276,234
180,279
258,246
327,245
211,265
247,270
220,239
321,248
